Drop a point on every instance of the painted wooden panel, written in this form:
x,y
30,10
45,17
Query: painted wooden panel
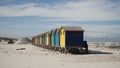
x,y
38,40
48,39
74,38
44,40
41,40
52,38
62,37
57,39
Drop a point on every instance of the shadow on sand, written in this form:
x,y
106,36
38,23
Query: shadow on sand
x,y
98,52
90,52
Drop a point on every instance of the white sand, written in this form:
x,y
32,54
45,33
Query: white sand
x,y
37,57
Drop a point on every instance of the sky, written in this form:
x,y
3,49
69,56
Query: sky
x,y
26,18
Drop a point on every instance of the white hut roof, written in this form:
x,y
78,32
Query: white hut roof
x,y
72,28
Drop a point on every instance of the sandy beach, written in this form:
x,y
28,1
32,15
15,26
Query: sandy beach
x,y
36,57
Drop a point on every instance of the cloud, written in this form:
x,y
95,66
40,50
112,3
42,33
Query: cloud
x,y
6,1
91,30
102,31
80,10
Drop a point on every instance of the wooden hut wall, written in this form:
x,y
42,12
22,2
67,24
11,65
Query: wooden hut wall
x,y
41,40
57,38
38,40
52,38
74,38
48,39
62,37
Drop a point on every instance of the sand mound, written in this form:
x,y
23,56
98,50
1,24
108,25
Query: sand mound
x,y
24,41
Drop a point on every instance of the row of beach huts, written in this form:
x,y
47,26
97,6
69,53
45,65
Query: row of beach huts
x,y
63,39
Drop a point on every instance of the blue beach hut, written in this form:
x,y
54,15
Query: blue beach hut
x,y
44,39
57,37
38,40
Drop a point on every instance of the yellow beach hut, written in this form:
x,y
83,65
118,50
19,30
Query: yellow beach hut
x,y
71,36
